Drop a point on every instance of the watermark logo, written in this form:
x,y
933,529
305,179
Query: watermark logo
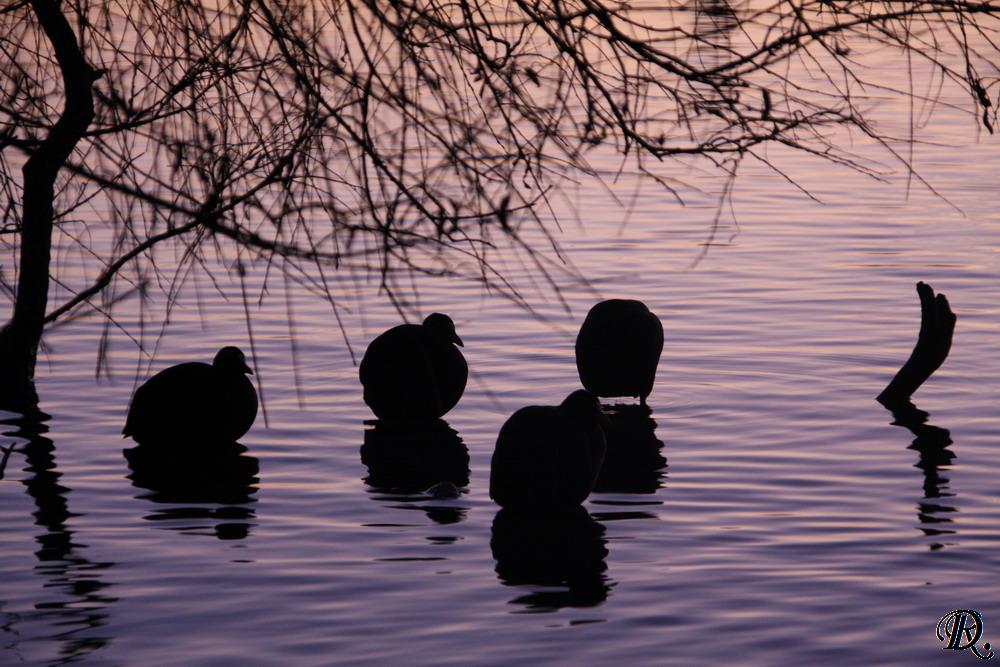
x,y
962,629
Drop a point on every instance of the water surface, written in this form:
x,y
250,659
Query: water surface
x,y
769,513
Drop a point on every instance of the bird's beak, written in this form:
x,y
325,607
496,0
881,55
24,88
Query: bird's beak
x,y
458,341
247,369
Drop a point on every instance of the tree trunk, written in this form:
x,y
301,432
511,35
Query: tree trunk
x,y
20,337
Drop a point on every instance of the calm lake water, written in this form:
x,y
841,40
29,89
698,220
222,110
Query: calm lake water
x,y
768,513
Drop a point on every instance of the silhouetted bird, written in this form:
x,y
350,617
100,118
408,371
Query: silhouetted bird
x,y
195,402
547,458
618,349
414,371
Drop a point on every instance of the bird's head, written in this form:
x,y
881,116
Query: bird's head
x,y
231,360
442,326
585,406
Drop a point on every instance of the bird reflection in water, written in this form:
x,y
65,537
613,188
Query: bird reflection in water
x,y
77,599
633,462
559,557
417,465
207,482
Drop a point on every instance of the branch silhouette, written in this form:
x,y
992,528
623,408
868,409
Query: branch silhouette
x,y
937,327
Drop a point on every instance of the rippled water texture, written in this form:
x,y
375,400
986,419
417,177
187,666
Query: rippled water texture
x,y
768,512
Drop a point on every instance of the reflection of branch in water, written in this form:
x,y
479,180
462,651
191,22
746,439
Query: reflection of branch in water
x,y
219,476
712,46
59,559
931,442
406,460
3,462
563,554
714,21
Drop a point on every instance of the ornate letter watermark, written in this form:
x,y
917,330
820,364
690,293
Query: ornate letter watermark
x,y
962,629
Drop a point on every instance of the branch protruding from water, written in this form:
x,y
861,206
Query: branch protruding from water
x,y
937,326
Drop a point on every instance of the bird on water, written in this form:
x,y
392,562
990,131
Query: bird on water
x,y
414,371
195,402
618,349
548,457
